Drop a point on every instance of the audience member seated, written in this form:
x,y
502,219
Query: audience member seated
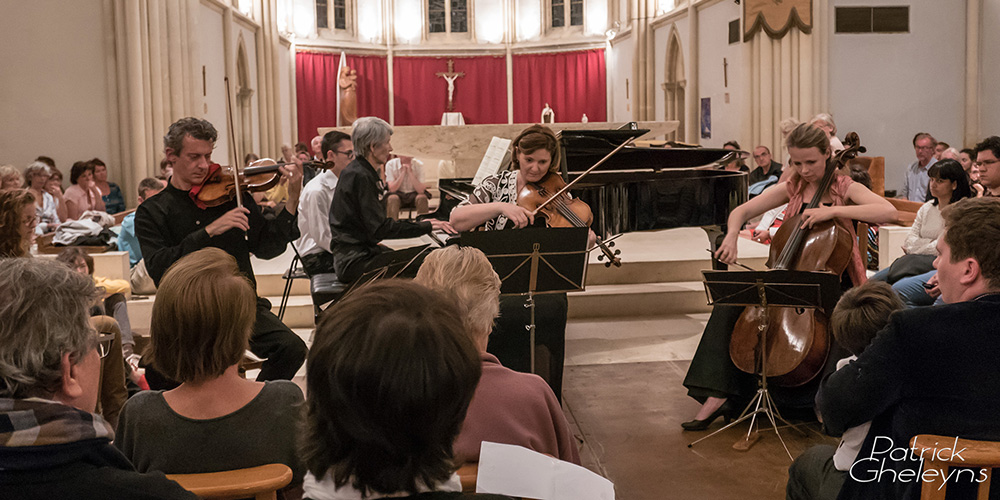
x,y
735,164
52,445
909,273
389,377
939,150
860,174
767,168
915,180
824,122
139,278
404,176
166,169
49,204
215,420
111,194
109,316
931,370
508,406
17,222
988,161
55,181
860,314
83,195
10,178
314,204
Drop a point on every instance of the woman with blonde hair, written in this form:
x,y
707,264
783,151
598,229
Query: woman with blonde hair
x,y
200,329
50,206
508,407
712,377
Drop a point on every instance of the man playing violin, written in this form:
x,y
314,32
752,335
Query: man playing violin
x,y
173,224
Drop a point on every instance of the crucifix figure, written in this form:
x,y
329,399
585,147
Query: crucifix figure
x,y
450,77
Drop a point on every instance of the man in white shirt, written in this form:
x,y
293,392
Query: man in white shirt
x,y
404,176
314,205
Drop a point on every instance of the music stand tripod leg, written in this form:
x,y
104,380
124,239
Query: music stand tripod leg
x,y
530,304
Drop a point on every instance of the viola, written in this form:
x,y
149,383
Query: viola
x,y
553,207
798,340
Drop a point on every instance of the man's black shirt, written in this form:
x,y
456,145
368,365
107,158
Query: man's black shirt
x,y
169,226
357,215
758,174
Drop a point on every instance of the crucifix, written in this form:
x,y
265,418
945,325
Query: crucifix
x,y
450,77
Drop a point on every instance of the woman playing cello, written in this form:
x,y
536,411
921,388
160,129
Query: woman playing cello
x,y
712,377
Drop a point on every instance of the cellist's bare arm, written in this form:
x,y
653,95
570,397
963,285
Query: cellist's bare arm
x,y
772,197
865,206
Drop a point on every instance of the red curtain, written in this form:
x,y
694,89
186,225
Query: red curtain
x,y
572,83
316,89
420,96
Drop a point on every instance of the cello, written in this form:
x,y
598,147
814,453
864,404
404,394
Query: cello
x,y
798,340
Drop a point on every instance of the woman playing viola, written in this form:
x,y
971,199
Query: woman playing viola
x,y
712,377
536,154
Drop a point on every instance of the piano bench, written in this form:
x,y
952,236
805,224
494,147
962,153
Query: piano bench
x,y
325,288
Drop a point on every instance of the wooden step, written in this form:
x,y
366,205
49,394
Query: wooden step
x,y
640,299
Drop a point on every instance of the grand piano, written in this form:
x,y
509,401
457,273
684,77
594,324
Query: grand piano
x,y
639,188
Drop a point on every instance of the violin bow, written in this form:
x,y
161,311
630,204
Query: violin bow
x,y
232,147
581,176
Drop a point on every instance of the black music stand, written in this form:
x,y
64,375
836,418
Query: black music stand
x,y
392,264
775,288
532,260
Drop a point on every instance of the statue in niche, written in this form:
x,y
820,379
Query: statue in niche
x,y
348,83
548,116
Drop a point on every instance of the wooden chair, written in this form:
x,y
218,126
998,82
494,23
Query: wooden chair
x,y
907,210
985,454
260,483
468,474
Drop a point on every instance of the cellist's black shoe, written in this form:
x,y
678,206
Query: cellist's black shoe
x,y
725,411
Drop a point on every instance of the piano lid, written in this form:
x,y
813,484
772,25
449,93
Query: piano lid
x,y
584,148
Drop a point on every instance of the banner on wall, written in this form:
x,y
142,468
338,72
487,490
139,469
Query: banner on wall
x,y
776,18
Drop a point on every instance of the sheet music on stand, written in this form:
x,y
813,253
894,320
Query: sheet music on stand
x,y
496,156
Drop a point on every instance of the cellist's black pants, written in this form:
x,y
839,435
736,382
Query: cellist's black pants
x,y
713,374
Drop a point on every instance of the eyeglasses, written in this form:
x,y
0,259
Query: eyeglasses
x,y
349,153
984,163
30,221
924,147
104,343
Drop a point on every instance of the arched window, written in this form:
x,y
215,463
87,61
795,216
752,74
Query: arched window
x,y
561,10
673,87
448,16
331,13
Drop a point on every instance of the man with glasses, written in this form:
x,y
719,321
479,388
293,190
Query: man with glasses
x,y
314,204
53,444
915,184
988,162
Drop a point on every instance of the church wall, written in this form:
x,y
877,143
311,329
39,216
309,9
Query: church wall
x,y
55,84
285,84
620,69
212,56
888,87
989,71
726,104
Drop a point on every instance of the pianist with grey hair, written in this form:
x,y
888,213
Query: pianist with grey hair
x,y
358,220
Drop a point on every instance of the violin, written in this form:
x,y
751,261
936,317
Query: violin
x,y
553,207
798,340
220,185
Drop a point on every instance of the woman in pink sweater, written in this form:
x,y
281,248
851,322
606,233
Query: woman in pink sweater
x,y
508,407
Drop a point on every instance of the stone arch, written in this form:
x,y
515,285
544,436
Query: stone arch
x,y
674,84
